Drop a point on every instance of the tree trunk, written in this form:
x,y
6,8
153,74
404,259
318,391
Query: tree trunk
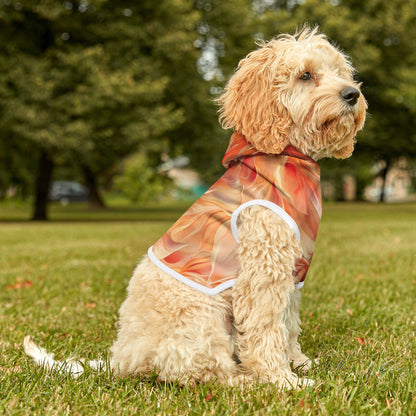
x,y
95,199
42,185
384,177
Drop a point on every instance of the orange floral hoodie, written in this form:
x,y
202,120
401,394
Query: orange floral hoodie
x,y
200,249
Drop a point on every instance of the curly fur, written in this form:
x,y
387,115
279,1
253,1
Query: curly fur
x,y
268,104
240,335
249,332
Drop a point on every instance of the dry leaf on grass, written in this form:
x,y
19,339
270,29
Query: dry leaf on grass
x,y
360,340
91,305
20,284
359,277
209,396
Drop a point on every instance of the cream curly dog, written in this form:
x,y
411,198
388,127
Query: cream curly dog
x,y
217,297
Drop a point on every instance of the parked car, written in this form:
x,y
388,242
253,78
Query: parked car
x,y
68,191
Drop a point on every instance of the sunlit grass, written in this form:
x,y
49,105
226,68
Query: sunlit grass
x,y
62,282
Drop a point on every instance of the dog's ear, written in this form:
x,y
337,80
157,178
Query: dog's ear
x,y
252,106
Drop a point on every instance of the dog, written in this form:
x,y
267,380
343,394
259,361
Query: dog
x,y
217,297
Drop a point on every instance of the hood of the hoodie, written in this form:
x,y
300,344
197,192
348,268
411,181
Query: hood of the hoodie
x,y
239,148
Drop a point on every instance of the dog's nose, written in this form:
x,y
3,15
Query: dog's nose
x,y
350,95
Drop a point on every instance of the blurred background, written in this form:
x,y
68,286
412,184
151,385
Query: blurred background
x,y
108,100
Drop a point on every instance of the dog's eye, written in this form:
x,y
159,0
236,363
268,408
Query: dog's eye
x,y
306,76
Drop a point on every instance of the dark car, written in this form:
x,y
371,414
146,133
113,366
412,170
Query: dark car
x,y
68,191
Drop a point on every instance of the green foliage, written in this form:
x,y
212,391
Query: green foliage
x,y
223,36
77,92
139,181
92,83
16,167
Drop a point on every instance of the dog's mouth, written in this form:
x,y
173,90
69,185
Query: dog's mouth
x,y
326,126
332,127
350,117
342,123
339,135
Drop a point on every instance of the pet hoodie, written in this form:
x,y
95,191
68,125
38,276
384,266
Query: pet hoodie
x,y
200,249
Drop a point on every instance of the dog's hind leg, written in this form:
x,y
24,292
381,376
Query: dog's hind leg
x,y
268,251
200,346
140,325
173,329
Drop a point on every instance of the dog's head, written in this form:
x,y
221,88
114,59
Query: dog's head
x,y
295,90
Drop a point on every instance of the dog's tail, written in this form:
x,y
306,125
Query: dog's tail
x,y
71,365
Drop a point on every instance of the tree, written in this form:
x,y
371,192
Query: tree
x,y
139,181
81,84
95,82
224,36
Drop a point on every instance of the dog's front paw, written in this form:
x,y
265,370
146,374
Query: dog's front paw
x,y
306,382
297,383
303,364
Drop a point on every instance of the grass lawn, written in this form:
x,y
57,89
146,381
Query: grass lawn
x,y
62,282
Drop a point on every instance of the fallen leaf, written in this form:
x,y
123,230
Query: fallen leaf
x,y
301,404
20,285
361,341
350,312
359,277
310,314
91,305
43,267
209,396
10,287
